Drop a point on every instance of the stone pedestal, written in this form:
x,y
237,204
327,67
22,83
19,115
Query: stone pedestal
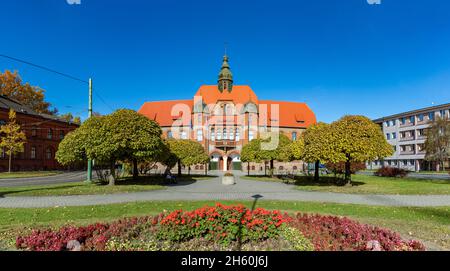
x,y
228,180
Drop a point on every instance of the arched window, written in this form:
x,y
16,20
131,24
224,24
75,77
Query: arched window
x,y
294,136
48,154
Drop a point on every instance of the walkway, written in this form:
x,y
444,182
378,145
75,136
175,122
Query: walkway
x,y
76,176
213,190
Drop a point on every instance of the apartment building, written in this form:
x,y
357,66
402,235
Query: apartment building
x,y
406,132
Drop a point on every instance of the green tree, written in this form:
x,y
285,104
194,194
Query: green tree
x,y
357,139
318,146
437,144
11,85
187,153
70,118
124,135
12,137
249,153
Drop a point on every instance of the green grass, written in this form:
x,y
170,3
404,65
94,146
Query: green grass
x,y
363,184
80,188
14,175
430,225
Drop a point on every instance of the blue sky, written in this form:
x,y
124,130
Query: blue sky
x,y
339,56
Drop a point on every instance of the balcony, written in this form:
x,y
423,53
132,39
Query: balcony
x,y
225,143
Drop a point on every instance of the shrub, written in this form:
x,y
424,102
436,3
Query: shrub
x,y
335,233
298,241
391,172
228,174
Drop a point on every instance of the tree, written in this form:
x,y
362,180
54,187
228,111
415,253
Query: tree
x,y
124,135
11,85
356,139
437,144
70,118
13,138
249,153
317,146
266,149
187,153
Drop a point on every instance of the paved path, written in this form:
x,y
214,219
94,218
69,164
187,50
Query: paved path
x,y
213,190
69,177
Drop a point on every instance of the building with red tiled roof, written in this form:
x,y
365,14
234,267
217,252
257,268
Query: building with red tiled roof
x,y
224,117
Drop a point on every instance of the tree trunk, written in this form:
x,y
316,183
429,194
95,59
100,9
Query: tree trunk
x,y
271,168
316,171
248,168
265,168
135,169
348,173
112,177
179,168
9,163
206,169
189,171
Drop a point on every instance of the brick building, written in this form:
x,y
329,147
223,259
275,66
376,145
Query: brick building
x,y
224,117
43,132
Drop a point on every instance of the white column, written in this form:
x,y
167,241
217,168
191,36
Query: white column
x,y
225,163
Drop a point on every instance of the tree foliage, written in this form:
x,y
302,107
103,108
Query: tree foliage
x,y
437,144
186,152
356,139
123,135
11,85
12,137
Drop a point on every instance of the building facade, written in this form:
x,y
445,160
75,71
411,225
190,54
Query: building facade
x,y
224,117
406,133
44,133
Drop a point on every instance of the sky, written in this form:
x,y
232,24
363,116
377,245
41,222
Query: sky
x,y
339,56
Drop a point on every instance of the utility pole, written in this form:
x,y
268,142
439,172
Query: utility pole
x,y
89,166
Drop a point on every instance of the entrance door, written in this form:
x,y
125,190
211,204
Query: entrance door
x,y
221,163
229,161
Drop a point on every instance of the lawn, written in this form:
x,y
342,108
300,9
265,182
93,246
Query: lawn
x,y
429,225
363,184
80,188
13,175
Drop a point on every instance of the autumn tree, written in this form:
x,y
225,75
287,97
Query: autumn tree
x,y
70,118
187,153
356,139
317,141
12,137
437,144
124,135
11,85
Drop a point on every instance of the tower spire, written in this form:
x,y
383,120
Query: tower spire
x,y
225,81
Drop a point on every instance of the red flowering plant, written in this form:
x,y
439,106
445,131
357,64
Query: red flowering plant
x,y
336,234
222,224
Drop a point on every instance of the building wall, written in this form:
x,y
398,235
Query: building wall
x,y
409,129
38,137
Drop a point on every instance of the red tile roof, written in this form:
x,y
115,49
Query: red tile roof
x,y
291,114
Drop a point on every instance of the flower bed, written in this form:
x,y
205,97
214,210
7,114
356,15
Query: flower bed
x,y
220,227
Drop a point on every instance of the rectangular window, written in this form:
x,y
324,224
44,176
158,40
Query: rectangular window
x,y
213,135
403,121
442,113
219,134
294,136
237,135
61,135
183,135
225,134
431,116
411,120
200,135
169,134
231,134
2,153
394,135
33,153
420,117
388,136
250,135
50,134
34,131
